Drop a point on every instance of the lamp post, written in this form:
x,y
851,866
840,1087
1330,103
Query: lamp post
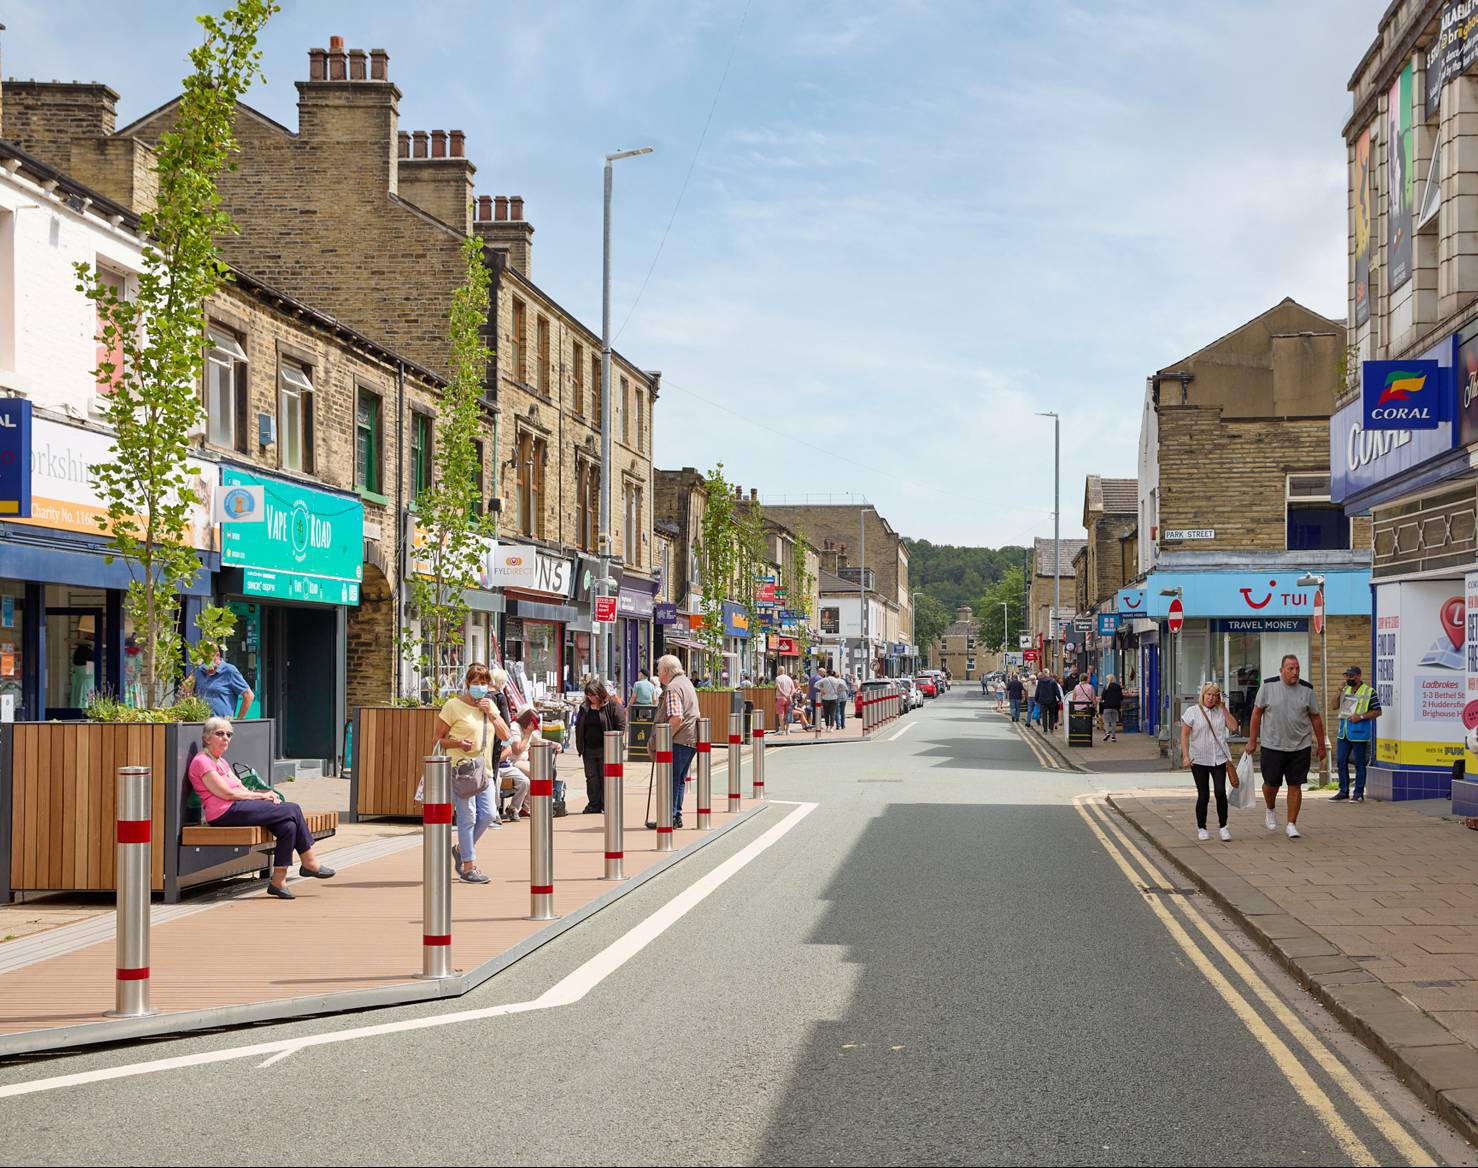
x,y
1056,542
1168,685
1314,580
1005,633
607,654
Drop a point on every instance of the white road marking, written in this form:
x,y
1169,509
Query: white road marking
x,y
279,1056
900,732
563,993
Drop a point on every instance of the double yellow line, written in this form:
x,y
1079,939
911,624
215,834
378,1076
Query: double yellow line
x,y
1143,875
1044,756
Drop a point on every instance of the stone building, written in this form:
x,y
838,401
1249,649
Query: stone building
x,y
1108,562
957,648
1051,585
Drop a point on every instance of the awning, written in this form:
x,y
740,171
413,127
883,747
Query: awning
x,y
682,642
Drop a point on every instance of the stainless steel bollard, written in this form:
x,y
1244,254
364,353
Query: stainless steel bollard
x,y
134,836
436,873
541,832
615,804
757,763
704,762
662,777
736,744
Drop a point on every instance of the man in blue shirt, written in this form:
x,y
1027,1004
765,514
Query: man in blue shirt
x,y
221,685
1359,707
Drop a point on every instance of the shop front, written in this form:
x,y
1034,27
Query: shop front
x,y
636,605
736,642
291,573
537,590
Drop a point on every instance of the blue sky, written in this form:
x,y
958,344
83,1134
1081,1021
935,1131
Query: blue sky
x,y
910,224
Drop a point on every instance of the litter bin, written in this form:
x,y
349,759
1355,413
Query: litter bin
x,y
639,721
1080,723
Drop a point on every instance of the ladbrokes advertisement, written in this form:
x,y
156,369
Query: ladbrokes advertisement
x,y
1420,672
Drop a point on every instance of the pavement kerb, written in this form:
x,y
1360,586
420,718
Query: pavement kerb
x,y
347,1001
1059,752
1443,1074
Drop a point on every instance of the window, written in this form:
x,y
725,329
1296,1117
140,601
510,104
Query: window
x,y
531,454
294,419
579,370
597,396
543,356
831,620
367,454
225,391
421,440
478,471
1314,523
631,524
110,354
625,411
537,486
587,504
517,348
640,420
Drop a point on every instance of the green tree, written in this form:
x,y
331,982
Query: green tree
x,y
453,530
996,633
930,619
149,399
732,547
798,585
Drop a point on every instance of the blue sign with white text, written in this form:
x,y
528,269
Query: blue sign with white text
x,y
15,458
1405,395
1108,624
1130,602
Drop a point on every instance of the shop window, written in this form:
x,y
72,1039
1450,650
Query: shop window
x,y
368,443
225,391
421,440
632,527
13,648
519,344
831,620
587,490
1314,523
578,368
110,352
295,418
542,356
541,646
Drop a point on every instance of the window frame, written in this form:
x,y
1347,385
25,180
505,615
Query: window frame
x,y
236,365
597,401
301,392
1311,500
541,354
423,451
518,347
373,490
577,368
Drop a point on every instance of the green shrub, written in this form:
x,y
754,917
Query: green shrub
x,y
106,708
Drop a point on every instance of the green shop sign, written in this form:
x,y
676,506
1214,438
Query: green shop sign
x,y
308,545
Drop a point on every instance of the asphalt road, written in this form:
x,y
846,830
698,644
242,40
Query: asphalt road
x,y
940,963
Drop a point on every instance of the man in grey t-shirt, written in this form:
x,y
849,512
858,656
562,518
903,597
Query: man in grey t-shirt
x,y
1286,720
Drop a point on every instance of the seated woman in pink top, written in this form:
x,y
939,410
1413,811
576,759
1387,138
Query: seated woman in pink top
x,y
228,804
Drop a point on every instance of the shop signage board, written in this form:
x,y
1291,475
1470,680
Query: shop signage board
x,y
1420,672
1029,654
309,546
736,620
1183,533
1264,624
1404,395
1132,602
15,458
1108,624
1260,594
764,592
605,609
635,603
533,570
665,613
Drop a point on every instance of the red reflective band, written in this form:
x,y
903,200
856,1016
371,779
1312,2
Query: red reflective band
x,y
705,811
436,812
134,974
705,748
664,831
541,787
134,831
736,740
664,756
615,855
735,798
428,939
759,783
613,770
758,733
541,889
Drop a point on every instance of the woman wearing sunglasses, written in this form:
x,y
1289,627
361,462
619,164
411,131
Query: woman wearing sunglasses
x,y
229,804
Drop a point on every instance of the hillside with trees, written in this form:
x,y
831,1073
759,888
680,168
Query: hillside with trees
x,y
958,575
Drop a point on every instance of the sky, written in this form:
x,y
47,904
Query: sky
x,y
873,239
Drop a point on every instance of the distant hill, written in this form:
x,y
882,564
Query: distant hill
x,y
958,575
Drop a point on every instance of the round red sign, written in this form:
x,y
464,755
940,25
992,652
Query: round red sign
x,y
1177,615
1319,611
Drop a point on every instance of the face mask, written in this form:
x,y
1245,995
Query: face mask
x,y
478,691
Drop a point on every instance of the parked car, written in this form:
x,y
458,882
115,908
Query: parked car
x,y
873,687
926,685
913,694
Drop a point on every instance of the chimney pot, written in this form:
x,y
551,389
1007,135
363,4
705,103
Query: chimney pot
x,y
317,64
485,208
405,143
754,494
515,208
420,139
336,44
500,205
356,65
438,143
458,143
379,64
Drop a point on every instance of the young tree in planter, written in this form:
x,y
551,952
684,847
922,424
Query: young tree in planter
x,y
798,584
448,512
150,400
732,536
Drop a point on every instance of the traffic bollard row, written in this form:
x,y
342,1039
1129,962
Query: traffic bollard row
x,y
757,763
615,805
662,777
134,836
705,774
541,831
736,744
436,876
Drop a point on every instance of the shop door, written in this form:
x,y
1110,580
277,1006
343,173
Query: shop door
x,y
306,680
244,650
73,668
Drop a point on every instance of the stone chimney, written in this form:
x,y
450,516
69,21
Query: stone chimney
x,y
349,102
506,231
435,175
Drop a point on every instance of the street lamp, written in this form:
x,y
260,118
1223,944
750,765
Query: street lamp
x,y
1056,542
1005,633
1314,580
1173,739
603,639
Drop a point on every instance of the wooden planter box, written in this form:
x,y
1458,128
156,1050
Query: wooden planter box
x,y
390,743
58,806
716,707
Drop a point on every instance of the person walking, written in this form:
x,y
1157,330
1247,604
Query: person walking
x,y
1015,694
1112,702
1203,744
471,729
1286,720
784,692
680,705
1049,700
844,695
1359,707
827,688
643,693
596,716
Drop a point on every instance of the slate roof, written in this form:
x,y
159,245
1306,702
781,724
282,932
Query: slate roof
x,y
1042,556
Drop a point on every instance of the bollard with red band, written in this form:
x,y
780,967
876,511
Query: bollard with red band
x,y
757,763
704,763
615,805
662,777
134,835
541,831
736,744
436,875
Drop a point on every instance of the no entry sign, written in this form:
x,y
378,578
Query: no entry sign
x,y
1319,611
1177,615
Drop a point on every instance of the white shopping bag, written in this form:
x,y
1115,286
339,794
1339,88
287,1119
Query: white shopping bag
x,y
1243,795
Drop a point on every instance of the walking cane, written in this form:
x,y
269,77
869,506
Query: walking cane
x,y
651,782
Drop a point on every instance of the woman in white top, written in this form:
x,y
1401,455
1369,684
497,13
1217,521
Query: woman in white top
x,y
1203,744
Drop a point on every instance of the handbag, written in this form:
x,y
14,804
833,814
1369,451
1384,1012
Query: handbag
x,y
470,775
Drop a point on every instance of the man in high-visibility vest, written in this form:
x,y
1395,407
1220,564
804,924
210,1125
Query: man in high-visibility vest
x,y
1358,709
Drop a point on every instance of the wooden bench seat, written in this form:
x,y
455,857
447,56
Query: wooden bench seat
x,y
320,823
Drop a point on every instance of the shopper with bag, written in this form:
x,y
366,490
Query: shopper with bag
x,y
471,732
1203,744
1111,705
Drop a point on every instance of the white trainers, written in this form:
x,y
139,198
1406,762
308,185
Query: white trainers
x,y
1272,821
1202,834
1226,835
1292,832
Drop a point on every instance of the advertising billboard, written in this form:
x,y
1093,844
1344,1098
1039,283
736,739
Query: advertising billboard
x,y
1400,178
1420,672
1362,182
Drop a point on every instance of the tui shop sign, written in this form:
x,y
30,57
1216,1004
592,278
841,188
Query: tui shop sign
x,y
310,545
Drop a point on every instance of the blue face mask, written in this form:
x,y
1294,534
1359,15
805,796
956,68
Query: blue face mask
x,y
478,691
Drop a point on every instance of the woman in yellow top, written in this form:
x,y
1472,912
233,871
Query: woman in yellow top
x,y
470,726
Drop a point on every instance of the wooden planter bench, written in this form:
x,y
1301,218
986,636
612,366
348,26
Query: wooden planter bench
x,y
321,824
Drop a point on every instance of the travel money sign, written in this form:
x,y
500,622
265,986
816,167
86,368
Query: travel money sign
x,y
1403,395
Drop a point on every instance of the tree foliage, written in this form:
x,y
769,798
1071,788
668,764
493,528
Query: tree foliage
x,y
149,399
998,629
930,619
957,575
732,548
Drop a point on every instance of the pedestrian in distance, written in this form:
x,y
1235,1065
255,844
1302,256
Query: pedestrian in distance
x,y
844,695
1111,703
1015,694
680,705
516,768
596,716
784,692
1359,707
1287,722
643,693
224,689
471,729
1203,747
1049,700
1082,691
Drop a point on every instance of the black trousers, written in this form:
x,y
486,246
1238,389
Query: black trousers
x,y
595,780
284,820
1205,777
